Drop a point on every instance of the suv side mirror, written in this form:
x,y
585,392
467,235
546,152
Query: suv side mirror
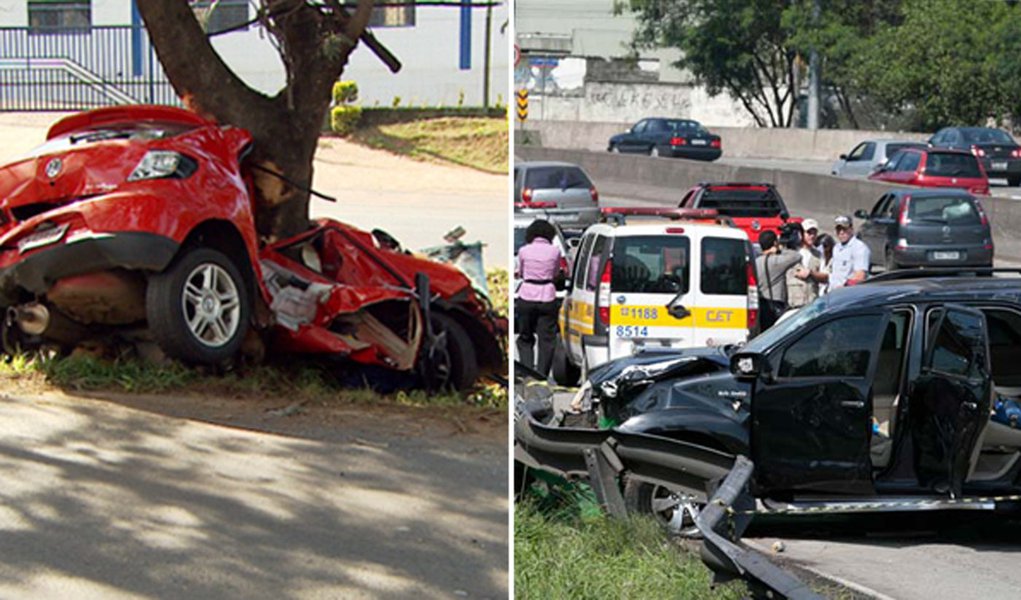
x,y
861,214
749,365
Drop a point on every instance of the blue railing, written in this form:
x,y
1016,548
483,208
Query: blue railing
x,y
75,69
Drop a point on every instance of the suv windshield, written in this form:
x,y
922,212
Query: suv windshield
x,y
559,178
949,164
781,329
651,264
952,211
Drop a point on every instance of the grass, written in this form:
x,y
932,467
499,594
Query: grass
x,y
571,556
296,381
477,142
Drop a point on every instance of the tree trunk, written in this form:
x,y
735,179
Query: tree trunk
x,y
314,42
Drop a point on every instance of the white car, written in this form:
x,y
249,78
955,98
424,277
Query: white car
x,y
868,156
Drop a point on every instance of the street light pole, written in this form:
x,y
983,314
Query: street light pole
x,y
486,61
813,75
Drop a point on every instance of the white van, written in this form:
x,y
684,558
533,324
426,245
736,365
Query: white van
x,y
647,281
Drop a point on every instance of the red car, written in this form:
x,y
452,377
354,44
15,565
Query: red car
x,y
137,221
752,207
930,167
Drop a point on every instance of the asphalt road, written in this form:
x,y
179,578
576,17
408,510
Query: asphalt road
x,y
103,501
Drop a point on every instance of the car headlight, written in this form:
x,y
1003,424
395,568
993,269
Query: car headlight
x,y
157,164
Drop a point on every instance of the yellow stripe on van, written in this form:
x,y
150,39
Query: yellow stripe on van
x,y
657,316
581,317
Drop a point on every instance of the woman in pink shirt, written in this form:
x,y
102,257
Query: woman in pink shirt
x,y
535,304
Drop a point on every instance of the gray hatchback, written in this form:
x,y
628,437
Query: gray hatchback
x,y
927,228
562,192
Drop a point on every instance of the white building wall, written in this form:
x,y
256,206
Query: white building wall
x,y
429,52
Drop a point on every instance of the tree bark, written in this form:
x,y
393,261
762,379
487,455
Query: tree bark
x,y
314,42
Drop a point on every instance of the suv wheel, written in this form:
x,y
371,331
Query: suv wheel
x,y
654,152
615,148
198,309
674,511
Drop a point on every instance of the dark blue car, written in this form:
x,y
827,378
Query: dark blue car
x,y
658,136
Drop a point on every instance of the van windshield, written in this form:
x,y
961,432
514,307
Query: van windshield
x,y
651,264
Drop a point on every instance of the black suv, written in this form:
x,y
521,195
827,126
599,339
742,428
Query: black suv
x,y
892,388
927,228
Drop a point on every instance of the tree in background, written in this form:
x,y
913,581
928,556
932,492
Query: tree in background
x,y
314,39
740,47
944,63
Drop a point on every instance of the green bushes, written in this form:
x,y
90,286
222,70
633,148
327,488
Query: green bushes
x,y
344,115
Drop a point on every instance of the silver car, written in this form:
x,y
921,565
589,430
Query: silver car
x,y
563,192
869,155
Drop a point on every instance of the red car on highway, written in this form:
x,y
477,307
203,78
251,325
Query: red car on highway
x,y
752,207
930,167
136,222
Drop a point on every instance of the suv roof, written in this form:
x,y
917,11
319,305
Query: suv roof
x,y
937,286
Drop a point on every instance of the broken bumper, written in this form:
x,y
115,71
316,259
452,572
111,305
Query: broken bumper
x,y
40,269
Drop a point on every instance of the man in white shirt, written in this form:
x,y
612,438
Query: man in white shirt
x,y
850,256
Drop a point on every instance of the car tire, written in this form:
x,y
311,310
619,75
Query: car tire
x,y
455,366
564,373
1014,181
614,148
889,262
654,152
662,505
199,308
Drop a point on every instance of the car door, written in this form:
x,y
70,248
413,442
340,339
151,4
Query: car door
x,y
876,230
576,310
812,408
632,141
651,296
859,161
949,401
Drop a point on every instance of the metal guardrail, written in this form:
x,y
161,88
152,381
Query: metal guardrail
x,y
76,69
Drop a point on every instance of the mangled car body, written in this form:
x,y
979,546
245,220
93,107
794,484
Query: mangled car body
x,y
891,393
140,219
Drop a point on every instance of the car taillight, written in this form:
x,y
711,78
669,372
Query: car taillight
x,y
1015,153
526,195
563,265
753,297
678,141
903,218
604,294
716,144
977,151
981,212
595,195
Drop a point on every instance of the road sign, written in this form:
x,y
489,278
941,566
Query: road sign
x,y
522,104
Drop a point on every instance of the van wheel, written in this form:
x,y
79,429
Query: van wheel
x,y
198,309
675,512
889,262
564,373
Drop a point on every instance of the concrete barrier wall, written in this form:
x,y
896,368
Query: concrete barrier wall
x,y
738,142
822,197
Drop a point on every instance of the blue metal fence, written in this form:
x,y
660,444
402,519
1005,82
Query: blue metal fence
x,y
78,69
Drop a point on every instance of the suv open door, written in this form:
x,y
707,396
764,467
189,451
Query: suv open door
x,y
949,402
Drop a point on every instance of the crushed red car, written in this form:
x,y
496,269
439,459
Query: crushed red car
x,y
752,207
137,222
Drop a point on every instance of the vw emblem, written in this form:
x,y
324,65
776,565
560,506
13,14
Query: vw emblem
x,y
946,230
53,168
620,299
